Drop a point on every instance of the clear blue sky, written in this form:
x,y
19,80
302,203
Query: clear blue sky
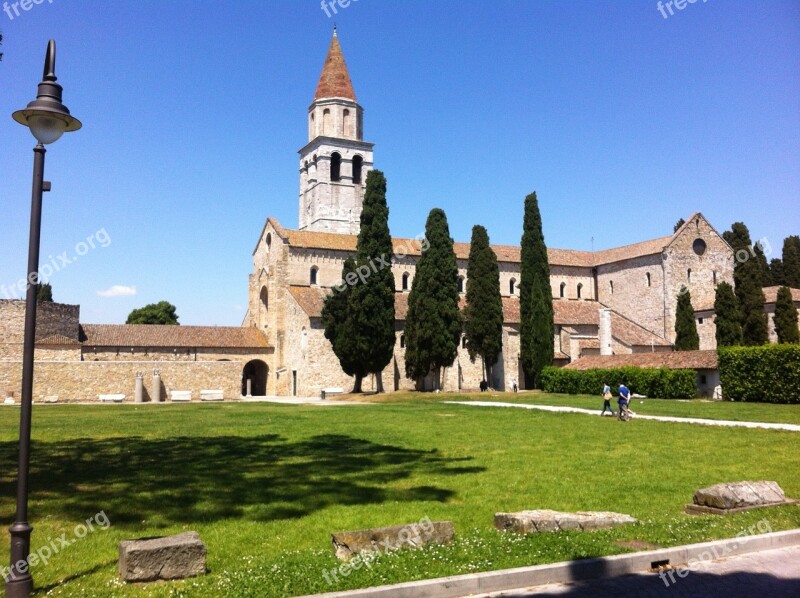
x,y
621,120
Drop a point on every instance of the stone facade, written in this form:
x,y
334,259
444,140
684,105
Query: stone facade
x,y
52,319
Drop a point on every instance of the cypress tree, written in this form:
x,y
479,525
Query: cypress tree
x,y
483,313
776,273
337,318
765,277
678,224
786,317
728,319
791,261
686,337
44,292
535,297
371,301
433,322
747,277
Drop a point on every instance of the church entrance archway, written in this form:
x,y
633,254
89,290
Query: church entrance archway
x,y
255,371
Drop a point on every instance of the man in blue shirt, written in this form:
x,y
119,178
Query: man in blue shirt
x,y
624,397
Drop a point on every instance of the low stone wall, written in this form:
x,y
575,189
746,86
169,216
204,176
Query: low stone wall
x,y
84,380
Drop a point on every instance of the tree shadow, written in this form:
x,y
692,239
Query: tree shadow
x,y
193,479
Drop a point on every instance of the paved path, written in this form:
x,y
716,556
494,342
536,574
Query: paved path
x,y
299,401
765,573
661,418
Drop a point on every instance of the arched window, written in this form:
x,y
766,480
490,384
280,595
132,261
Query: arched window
x,y
269,240
579,289
313,275
611,286
326,121
406,276
689,275
648,278
336,166
358,161
562,289
345,122
714,277
402,341
264,296
460,284
511,285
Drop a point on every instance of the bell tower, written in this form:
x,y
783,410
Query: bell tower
x,y
335,162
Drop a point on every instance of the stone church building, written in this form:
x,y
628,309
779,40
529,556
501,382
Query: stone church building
x,y
618,301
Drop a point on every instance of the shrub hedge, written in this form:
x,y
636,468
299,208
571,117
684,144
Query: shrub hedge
x,y
767,374
652,382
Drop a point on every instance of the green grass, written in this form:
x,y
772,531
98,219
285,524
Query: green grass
x,y
703,408
265,485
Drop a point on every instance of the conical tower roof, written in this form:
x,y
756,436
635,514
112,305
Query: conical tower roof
x,y
334,82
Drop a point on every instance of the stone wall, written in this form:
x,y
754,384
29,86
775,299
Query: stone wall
x,y
624,287
51,319
84,380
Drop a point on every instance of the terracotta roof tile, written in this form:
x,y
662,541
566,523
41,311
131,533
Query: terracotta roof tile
x,y
674,360
57,340
634,335
771,294
310,299
334,82
151,335
505,253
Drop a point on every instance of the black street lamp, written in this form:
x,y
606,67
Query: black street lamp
x,y
47,119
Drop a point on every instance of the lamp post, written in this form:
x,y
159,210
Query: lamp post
x,y
47,119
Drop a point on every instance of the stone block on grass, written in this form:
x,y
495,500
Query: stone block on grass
x,y
545,520
385,539
170,557
735,497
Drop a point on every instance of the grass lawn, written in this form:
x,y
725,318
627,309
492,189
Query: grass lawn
x,y
265,485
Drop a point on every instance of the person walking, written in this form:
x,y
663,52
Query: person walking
x,y
622,401
607,401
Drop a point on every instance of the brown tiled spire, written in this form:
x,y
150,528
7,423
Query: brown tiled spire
x,y
335,80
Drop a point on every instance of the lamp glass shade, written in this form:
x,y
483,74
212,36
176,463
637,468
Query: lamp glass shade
x,y
46,128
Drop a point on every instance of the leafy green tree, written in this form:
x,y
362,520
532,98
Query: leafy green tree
x,y
433,322
44,292
162,312
686,337
535,297
728,318
483,313
678,224
747,278
765,276
337,318
786,317
791,261
372,299
776,272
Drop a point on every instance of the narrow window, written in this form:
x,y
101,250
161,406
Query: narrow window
x,y
464,342
611,286
648,279
336,166
345,122
313,275
460,284
402,341
358,161
714,277
699,320
689,275
326,121
405,281
580,288
511,284
562,289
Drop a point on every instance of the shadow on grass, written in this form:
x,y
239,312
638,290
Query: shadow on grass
x,y
191,479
